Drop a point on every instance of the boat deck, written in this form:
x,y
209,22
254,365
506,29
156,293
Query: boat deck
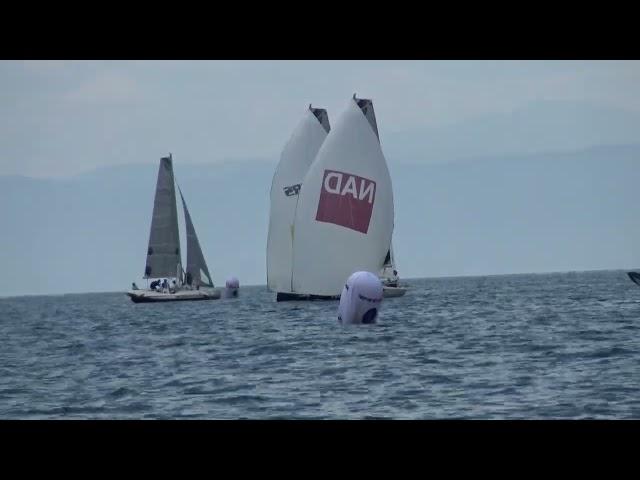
x,y
148,296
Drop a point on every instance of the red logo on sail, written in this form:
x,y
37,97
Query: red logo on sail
x,y
346,200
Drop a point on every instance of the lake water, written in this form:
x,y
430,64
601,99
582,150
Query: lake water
x,y
499,347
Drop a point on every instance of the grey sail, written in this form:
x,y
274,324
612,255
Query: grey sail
x,y
196,272
163,254
387,260
366,106
322,116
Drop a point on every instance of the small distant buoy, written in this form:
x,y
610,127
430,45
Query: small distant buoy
x,y
231,287
360,299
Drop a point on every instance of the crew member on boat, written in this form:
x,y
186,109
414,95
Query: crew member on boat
x,y
393,281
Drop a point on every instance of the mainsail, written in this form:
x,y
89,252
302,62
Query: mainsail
x,y
388,259
388,271
163,253
344,217
197,272
296,157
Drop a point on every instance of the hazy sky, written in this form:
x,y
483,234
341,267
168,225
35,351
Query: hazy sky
x,y
559,193
59,118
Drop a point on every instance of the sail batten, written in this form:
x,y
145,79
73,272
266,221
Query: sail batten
x,y
163,252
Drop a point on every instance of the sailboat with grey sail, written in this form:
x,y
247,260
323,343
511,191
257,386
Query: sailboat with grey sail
x,y
164,262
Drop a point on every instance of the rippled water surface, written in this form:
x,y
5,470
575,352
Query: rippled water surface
x,y
520,346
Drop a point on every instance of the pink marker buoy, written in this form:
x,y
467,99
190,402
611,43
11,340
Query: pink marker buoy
x,y
231,287
360,299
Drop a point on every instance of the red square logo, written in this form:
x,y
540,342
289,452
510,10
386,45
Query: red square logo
x,y
346,200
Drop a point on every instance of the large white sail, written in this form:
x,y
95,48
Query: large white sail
x,y
163,252
344,218
296,157
196,272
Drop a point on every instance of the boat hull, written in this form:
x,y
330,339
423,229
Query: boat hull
x,y
292,297
149,296
387,292
391,292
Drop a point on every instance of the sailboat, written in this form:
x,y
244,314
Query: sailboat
x,y
163,253
295,160
391,286
343,218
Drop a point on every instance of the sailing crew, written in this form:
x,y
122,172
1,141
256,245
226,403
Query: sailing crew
x,y
155,284
394,280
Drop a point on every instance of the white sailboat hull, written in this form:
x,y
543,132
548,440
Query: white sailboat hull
x,y
390,292
149,296
387,292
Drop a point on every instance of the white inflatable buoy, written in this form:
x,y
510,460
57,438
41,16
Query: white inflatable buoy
x,y
231,287
360,299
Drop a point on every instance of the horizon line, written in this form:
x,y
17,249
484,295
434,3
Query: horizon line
x,y
553,272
